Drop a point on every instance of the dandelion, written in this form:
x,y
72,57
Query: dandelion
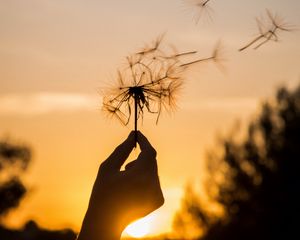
x,y
200,8
268,27
149,82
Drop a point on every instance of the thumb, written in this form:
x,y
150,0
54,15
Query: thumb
x,y
130,165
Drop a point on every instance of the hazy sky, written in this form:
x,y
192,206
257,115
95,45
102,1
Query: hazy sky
x,y
56,55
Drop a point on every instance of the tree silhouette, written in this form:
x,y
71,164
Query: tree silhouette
x,y
31,231
14,159
255,180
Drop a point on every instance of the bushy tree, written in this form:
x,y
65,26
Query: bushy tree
x,y
14,160
256,178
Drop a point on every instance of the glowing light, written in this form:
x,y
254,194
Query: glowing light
x,y
139,228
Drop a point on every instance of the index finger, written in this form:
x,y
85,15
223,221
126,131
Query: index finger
x,y
145,145
146,161
120,154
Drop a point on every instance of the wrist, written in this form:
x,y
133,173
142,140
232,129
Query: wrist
x,y
99,227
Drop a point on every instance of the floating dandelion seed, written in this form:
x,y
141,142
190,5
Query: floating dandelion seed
x,y
268,27
149,81
200,8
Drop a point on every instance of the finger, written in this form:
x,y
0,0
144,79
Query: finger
x,y
130,165
145,145
121,153
147,158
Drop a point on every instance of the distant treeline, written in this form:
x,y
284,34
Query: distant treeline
x,y
31,231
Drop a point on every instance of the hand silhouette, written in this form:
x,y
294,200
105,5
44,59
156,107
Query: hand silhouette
x,y
120,197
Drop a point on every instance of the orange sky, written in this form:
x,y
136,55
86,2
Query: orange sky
x,y
55,55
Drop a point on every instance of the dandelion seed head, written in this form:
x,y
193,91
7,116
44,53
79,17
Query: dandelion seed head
x,y
200,9
149,82
268,27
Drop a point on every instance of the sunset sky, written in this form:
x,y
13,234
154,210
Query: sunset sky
x,y
57,55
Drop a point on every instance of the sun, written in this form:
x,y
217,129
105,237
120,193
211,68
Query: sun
x,y
139,228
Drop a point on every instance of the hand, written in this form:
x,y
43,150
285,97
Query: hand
x,y
120,197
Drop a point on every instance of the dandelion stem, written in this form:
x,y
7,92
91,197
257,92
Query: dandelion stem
x,y
203,4
135,117
252,42
196,61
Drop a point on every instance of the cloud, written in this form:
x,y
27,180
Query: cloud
x,y
45,102
48,102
